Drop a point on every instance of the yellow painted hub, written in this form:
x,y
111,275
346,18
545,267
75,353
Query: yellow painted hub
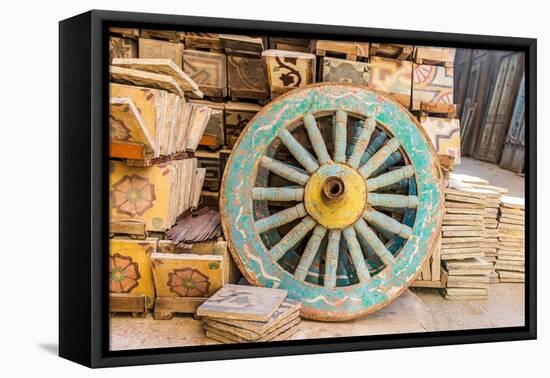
x,y
335,196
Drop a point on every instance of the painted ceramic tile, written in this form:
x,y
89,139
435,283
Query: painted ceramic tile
x,y
342,70
150,103
391,76
142,193
130,267
432,84
208,70
127,125
122,48
287,70
246,77
187,275
153,48
243,303
445,135
237,116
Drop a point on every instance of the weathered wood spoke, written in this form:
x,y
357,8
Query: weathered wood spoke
x,y
379,157
356,254
284,170
393,200
340,135
316,139
292,238
394,158
310,252
359,125
375,145
278,194
331,258
387,223
361,143
280,218
298,151
389,178
376,244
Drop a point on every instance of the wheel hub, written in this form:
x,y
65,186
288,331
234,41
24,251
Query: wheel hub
x,y
335,196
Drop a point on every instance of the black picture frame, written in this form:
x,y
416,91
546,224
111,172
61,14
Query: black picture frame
x,y
83,196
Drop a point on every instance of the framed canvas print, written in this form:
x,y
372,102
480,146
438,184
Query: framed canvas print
x,y
234,188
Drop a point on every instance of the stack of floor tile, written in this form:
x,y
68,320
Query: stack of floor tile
x,y
462,239
510,264
241,314
491,194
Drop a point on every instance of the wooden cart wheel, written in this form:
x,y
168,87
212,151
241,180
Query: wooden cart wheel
x,y
332,192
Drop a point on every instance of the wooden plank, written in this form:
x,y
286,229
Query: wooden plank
x,y
133,303
165,306
243,303
127,227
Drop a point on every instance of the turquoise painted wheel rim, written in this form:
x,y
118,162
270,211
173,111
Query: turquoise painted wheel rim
x,y
238,207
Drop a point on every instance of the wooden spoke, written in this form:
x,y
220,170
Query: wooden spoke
x,y
284,170
389,178
361,144
377,246
298,151
278,194
280,218
356,255
310,252
379,157
387,223
292,238
393,200
331,258
316,139
340,135
394,158
359,125
375,145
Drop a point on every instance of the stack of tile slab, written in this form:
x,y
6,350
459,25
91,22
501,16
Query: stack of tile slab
x,y
241,314
510,264
462,253
492,196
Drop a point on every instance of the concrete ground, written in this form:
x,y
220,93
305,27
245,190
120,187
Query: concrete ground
x,y
416,310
